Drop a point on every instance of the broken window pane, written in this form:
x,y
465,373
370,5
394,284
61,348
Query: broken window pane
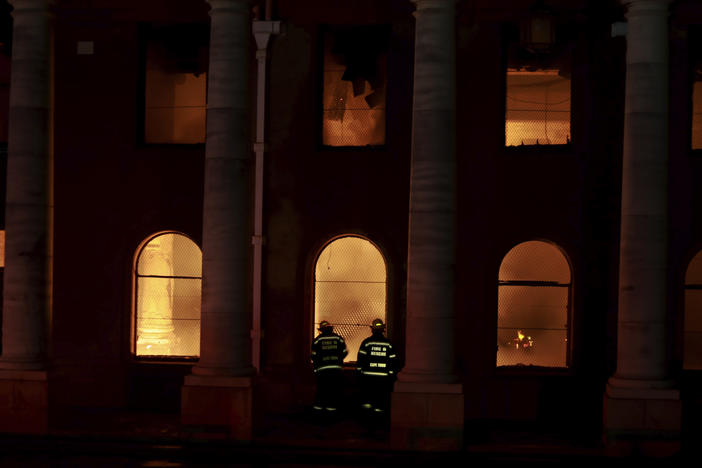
x,y
169,277
538,108
349,289
355,61
692,328
533,306
176,85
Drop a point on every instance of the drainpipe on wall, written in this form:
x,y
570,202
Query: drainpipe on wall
x,y
262,31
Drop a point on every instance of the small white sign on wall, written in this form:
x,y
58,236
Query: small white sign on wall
x,y
85,48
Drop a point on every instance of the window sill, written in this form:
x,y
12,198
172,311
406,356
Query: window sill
x,y
536,150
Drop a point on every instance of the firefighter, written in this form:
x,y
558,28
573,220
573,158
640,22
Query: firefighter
x,y
328,353
377,368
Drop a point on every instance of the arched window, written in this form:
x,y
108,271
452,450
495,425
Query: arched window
x,y
350,289
692,329
167,281
533,308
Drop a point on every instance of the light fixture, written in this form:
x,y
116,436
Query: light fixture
x,y
538,29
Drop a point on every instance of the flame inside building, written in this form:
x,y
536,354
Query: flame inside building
x,y
533,306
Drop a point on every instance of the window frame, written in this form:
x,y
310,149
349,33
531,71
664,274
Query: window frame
x,y
561,52
531,369
144,33
135,298
310,326
322,31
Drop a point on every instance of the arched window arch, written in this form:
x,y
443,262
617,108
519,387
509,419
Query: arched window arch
x,y
692,328
167,282
350,289
533,311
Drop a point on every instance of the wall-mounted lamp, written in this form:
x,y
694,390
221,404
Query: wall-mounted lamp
x,y
538,31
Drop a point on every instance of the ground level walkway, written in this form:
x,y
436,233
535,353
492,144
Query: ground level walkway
x,y
110,438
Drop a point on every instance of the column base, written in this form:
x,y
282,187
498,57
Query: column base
x,y
217,407
427,416
646,421
24,402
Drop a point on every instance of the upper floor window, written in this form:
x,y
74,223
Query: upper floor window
x,y
533,311
538,83
353,101
175,84
538,107
692,329
350,289
167,281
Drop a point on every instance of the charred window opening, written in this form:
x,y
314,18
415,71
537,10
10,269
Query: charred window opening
x,y
175,84
168,278
537,97
350,289
692,328
354,90
533,310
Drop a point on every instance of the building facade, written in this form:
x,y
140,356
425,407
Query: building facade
x,y
192,186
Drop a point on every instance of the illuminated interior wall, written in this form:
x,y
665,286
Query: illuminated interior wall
x,y
538,108
533,306
692,329
175,91
354,88
168,282
2,249
350,289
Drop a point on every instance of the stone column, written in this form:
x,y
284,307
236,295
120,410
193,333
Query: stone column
x,y
218,393
28,260
640,398
427,409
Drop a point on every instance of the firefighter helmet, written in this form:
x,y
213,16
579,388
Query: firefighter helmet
x,y
324,325
377,324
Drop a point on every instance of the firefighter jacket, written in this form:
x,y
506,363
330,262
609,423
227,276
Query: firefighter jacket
x,y
328,352
377,357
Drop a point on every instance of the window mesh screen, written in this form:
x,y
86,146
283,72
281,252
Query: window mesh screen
x,y
538,108
169,270
350,289
692,334
176,85
353,111
533,306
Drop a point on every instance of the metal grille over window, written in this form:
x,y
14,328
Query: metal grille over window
x,y
692,328
354,86
168,282
533,306
176,84
538,108
350,289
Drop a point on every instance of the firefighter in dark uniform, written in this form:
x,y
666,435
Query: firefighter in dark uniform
x,y
377,368
328,353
